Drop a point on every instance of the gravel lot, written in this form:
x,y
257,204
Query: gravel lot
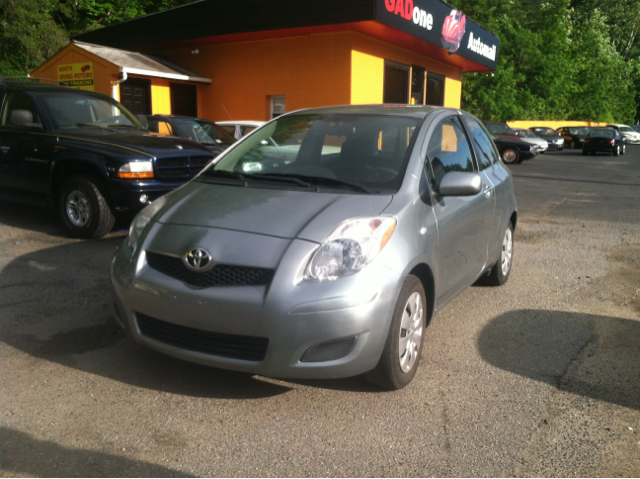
x,y
536,378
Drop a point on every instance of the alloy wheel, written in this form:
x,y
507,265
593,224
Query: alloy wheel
x,y
507,252
411,329
78,208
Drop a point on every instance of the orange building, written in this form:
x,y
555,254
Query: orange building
x,y
256,59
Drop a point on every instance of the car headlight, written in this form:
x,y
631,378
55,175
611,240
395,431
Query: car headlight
x,y
350,247
142,219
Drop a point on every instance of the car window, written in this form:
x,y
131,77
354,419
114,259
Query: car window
x,y
159,126
228,128
247,129
500,129
603,133
20,112
367,150
77,110
449,149
482,144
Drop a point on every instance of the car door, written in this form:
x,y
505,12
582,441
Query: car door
x,y
26,152
462,220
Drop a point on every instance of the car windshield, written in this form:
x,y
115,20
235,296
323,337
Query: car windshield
x,y
603,133
526,134
579,131
500,129
77,110
546,131
626,129
203,132
367,153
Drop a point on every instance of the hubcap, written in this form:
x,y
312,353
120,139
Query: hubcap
x,y
78,208
410,332
509,156
507,252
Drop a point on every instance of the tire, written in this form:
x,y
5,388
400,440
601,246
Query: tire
x,y
510,156
616,151
501,271
573,145
402,350
624,149
83,208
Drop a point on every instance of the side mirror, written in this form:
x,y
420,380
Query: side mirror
x,y
457,183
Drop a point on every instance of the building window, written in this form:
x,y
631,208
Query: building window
x,y
418,75
277,106
435,89
396,83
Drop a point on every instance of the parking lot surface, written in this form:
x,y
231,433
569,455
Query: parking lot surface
x,y
539,377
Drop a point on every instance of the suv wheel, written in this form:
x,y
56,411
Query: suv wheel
x,y
84,209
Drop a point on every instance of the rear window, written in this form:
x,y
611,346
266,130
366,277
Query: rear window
x,y
604,133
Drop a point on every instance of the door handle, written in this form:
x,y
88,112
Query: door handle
x,y
487,191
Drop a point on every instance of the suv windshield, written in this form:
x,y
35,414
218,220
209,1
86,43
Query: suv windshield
x,y
365,153
203,132
500,129
77,110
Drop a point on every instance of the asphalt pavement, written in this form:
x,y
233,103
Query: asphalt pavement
x,y
539,377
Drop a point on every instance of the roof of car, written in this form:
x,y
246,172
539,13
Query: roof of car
x,y
419,111
35,84
177,117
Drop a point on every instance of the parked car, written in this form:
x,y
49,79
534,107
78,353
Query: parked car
x,y
512,149
551,136
626,132
330,266
635,128
85,154
201,131
530,137
574,136
238,129
604,140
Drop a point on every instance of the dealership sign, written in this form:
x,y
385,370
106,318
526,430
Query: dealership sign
x,y
442,25
77,75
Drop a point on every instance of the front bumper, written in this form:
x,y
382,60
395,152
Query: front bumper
x,y
292,314
132,196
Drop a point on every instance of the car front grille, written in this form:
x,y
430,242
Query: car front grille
x,y
235,346
180,168
219,275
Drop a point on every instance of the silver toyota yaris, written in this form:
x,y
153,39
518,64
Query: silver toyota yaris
x,y
321,245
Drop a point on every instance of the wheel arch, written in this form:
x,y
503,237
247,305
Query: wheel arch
x,y
65,168
424,273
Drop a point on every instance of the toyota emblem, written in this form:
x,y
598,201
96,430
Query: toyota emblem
x,y
198,259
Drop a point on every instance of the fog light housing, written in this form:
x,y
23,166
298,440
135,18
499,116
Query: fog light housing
x,y
329,350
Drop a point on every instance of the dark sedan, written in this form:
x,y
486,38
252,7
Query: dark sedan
x,y
199,130
555,140
574,136
512,149
604,140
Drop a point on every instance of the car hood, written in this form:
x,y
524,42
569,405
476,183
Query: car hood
x,y
149,143
279,213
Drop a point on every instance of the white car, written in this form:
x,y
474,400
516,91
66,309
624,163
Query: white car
x,y
239,128
628,133
530,137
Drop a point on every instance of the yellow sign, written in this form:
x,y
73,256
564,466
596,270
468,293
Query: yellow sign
x,y
77,75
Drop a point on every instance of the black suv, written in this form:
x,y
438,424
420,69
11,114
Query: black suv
x,y
85,154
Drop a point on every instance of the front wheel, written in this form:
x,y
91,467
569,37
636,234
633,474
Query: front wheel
x,y
83,208
401,354
624,149
510,156
500,272
616,150
573,145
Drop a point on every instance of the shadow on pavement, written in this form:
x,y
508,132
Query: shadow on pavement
x,y
589,355
21,454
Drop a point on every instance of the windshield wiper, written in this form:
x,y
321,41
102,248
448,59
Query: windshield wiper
x,y
282,177
119,125
337,182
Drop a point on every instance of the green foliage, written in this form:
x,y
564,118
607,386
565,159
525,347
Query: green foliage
x,y
32,31
558,60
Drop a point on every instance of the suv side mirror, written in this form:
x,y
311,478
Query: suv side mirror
x,y
458,183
